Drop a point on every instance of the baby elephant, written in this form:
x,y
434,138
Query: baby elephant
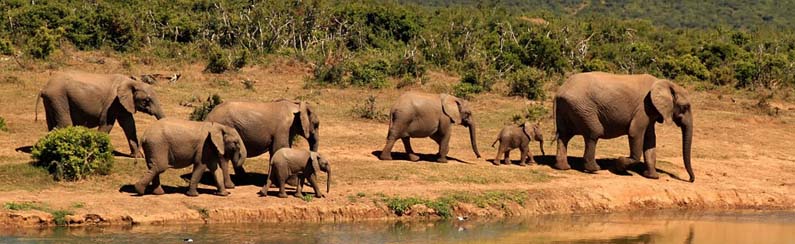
x,y
287,163
173,143
518,136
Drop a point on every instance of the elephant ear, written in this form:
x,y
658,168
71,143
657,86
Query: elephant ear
x,y
315,164
662,99
527,128
216,134
125,93
306,124
450,107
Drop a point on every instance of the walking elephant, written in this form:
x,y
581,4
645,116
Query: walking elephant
x,y
171,143
417,115
287,163
518,136
268,126
98,100
599,105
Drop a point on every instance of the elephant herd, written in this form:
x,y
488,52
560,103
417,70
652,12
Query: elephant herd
x,y
594,105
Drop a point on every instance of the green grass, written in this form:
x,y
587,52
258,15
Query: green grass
x,y
307,197
24,176
59,216
444,205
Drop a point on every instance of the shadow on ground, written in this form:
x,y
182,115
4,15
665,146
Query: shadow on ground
x,y
423,157
617,166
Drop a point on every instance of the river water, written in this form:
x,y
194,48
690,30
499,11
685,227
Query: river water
x,y
636,227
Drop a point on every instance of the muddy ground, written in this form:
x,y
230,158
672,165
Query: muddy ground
x,y
743,157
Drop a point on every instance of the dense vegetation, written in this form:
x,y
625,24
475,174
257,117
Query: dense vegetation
x,y
523,44
74,153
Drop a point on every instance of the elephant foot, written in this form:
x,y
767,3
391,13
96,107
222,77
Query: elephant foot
x,y
282,195
651,174
413,157
229,185
262,193
442,160
298,195
192,193
158,191
591,167
140,188
222,193
562,166
522,164
137,154
320,195
385,156
495,162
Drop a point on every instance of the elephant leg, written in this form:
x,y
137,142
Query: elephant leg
x,y
227,179
105,128
386,153
444,145
196,176
282,175
152,175
649,154
127,124
219,179
407,144
300,187
157,189
561,159
313,182
527,155
507,158
590,154
497,158
57,116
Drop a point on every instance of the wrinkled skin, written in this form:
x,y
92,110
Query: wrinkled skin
x,y
599,105
416,115
269,126
518,136
172,143
287,163
98,100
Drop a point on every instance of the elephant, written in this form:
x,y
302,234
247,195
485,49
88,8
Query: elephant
x,y
518,136
268,126
98,100
173,143
287,163
600,105
417,114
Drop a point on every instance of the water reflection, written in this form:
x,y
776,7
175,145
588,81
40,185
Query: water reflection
x,y
643,227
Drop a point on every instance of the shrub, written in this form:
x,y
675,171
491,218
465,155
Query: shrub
x,y
530,114
42,44
371,75
6,48
241,60
409,65
368,110
74,153
217,62
528,82
200,112
466,90
3,126
331,73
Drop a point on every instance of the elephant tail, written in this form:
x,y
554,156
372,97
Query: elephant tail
x,y
495,142
36,108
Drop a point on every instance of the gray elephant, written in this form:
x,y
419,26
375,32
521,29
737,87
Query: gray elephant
x,y
417,115
172,143
599,105
518,136
270,126
288,163
98,100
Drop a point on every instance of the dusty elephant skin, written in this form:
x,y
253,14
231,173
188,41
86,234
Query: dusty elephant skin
x,y
98,100
270,126
417,115
518,136
599,105
288,162
172,143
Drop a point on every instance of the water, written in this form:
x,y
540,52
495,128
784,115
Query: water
x,y
644,227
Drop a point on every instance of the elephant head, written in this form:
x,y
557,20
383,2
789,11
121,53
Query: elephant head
x,y
459,113
228,143
533,132
138,96
320,163
672,103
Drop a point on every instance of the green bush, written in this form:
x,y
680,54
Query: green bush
x,y
6,48
372,75
74,153
217,62
240,61
466,90
530,114
200,112
43,43
368,110
3,126
528,82
328,74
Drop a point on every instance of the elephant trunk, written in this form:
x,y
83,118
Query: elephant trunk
x,y
328,178
159,113
473,139
687,141
240,157
541,144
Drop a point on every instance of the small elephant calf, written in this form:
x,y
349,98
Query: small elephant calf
x,y
287,163
173,143
518,136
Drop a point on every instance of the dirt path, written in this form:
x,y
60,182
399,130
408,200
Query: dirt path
x,y
742,160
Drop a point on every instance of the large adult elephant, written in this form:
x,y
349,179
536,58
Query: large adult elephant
x,y
417,115
600,105
268,126
98,100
